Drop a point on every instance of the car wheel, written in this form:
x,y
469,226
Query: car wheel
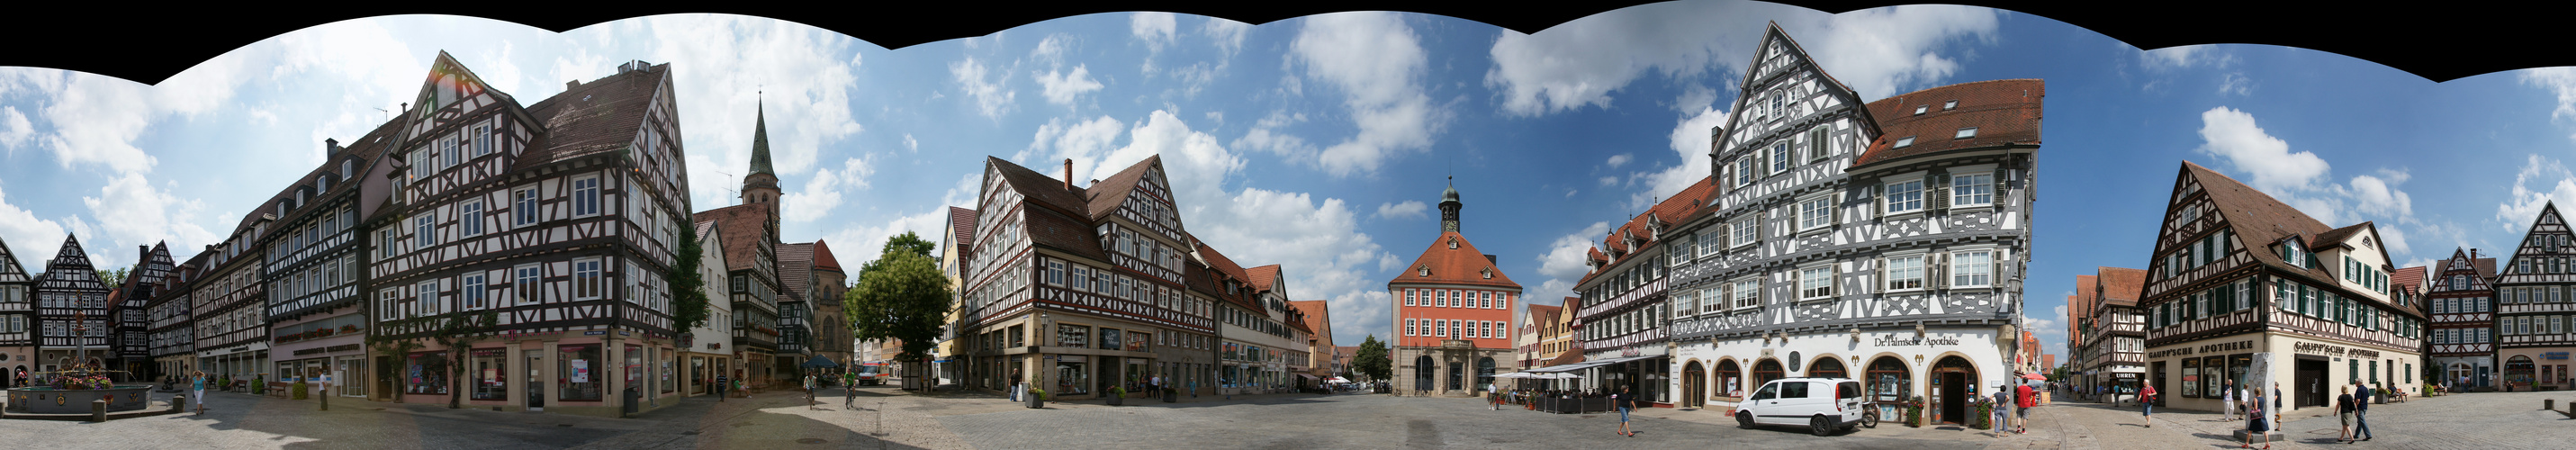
x,y
1743,420
1820,426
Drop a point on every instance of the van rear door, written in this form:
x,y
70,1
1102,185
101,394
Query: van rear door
x,y
1847,396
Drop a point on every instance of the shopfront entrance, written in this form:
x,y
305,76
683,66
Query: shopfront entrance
x,y
1694,385
2310,382
1954,384
536,384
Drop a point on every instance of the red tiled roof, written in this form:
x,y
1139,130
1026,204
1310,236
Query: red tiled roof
x,y
795,269
1672,212
2259,220
2085,297
823,260
2121,286
1318,315
961,231
1542,314
1462,265
1262,277
744,226
2005,113
1570,356
1040,189
2407,278
1218,263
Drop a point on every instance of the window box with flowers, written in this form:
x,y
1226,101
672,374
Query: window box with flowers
x,y
348,328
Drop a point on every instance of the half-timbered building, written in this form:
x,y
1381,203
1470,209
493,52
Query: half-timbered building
x,y
1626,300
71,308
556,219
1451,308
1085,285
128,306
316,284
796,333
171,332
228,323
2115,335
17,317
2460,340
2236,273
1883,241
751,239
959,364
2536,300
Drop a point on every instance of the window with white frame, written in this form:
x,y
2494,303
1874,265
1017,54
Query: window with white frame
x,y
1747,293
1905,272
523,211
1780,157
1972,190
1746,170
1974,268
483,140
1817,212
525,285
420,164
586,283
472,292
447,153
585,196
1905,196
424,300
469,219
1685,303
1815,282
391,239
1081,279
1055,272
1745,230
424,231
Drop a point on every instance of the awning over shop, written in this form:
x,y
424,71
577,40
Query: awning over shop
x,y
1305,376
1588,364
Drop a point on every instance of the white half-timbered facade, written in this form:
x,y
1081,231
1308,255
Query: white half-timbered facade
x,y
17,316
146,281
228,323
2535,307
71,308
2460,296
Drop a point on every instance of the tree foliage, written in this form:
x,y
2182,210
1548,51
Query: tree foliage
x,y
901,296
113,278
912,243
688,286
1373,360
453,332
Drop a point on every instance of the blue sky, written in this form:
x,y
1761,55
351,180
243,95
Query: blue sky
x,y
1319,143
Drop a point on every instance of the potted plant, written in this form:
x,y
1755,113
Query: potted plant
x,y
1914,412
348,328
1983,410
1171,395
1037,398
299,389
1117,395
259,385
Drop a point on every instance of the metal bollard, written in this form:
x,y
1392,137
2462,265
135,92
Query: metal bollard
x,y
98,410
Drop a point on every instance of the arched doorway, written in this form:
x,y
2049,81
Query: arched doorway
x,y
1484,372
1827,367
1694,386
1889,383
1423,367
1730,379
1765,371
1954,383
2518,372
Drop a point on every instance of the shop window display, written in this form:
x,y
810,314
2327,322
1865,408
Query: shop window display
x,y
426,373
489,383
577,373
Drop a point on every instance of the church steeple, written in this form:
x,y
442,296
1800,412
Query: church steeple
x,y
1449,207
761,185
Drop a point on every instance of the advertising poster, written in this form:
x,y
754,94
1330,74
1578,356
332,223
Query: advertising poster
x,y
580,371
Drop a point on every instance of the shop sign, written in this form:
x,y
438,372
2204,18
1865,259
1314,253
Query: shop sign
x,y
2553,355
1896,340
2319,349
2124,375
594,332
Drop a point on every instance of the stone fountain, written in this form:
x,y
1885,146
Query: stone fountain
x,y
70,391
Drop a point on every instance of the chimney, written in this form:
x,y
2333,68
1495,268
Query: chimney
x,y
333,145
568,85
1489,259
1068,174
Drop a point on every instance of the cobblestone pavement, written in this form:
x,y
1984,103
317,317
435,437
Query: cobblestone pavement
x,y
909,420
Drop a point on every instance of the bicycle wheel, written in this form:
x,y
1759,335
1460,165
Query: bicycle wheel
x,y
1869,419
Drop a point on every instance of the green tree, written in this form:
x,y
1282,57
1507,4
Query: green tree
x,y
1372,360
688,287
901,296
113,278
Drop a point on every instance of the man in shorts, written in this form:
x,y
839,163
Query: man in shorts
x,y
2147,399
2028,400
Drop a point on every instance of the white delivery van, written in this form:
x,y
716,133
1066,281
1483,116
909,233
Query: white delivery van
x,y
1823,405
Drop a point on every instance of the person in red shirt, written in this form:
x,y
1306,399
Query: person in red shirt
x,y
2025,401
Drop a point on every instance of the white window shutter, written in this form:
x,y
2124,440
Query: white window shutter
x,y
1940,272
1880,284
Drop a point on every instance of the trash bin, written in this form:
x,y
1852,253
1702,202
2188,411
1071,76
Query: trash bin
x,y
632,397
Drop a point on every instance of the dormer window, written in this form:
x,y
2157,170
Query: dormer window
x,y
1453,243
1423,271
1489,273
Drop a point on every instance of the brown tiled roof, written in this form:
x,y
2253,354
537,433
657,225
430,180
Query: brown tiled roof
x,y
1105,196
1055,217
795,269
1570,356
2121,286
2407,279
1673,212
367,148
823,260
2005,113
2085,298
1263,277
594,118
2335,237
744,226
2486,267
2260,221
1218,263
1462,265
1040,189
1318,315
1539,314
961,231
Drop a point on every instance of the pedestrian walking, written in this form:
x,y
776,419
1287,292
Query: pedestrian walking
x,y
2228,402
2147,400
809,392
1017,389
2021,411
2256,424
2361,411
722,383
2003,402
197,390
1620,401
2276,404
2344,410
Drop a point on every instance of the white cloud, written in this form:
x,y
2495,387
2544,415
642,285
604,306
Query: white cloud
x,y
822,191
910,144
724,62
1563,263
2561,82
1052,49
2541,181
2051,332
2235,83
1063,87
2188,56
1155,28
1268,135
1876,51
856,246
1409,208
2232,135
136,213
990,97
1226,34
1619,160
1609,181
1689,141
1085,142
30,239
1376,61
497,70
2377,195
14,128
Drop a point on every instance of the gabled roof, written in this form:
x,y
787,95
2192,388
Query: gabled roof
x,y
597,117
2259,221
1672,212
1263,278
1220,265
744,226
2004,112
823,259
2335,237
795,269
961,231
1542,314
2085,298
1790,44
1319,317
1040,189
1109,192
2407,279
2121,286
1462,265
10,270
